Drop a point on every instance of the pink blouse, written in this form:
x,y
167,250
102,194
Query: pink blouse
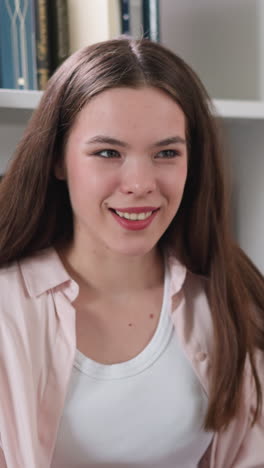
x,y
37,349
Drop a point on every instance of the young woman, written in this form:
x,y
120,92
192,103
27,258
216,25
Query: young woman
x,y
132,326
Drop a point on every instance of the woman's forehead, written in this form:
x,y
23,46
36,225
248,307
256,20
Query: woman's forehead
x,y
135,109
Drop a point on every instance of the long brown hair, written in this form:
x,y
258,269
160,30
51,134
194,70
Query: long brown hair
x,y
35,210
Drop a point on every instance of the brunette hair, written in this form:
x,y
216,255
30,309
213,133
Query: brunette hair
x,y
35,210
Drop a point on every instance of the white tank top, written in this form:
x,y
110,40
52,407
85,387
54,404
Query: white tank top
x,y
145,412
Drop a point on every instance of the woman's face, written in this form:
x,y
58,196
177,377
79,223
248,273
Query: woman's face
x,y
126,166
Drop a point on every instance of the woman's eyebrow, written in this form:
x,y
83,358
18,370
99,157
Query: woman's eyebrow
x,y
170,141
114,141
106,139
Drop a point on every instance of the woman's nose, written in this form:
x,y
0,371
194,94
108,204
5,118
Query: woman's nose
x,y
138,179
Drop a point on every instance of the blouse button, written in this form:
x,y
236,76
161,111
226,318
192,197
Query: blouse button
x,y
201,356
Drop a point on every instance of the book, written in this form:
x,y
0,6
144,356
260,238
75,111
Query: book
x,y
59,41
43,56
151,20
132,18
18,44
93,21
125,16
0,67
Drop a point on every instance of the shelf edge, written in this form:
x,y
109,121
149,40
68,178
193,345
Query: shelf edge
x,y
227,109
16,99
234,109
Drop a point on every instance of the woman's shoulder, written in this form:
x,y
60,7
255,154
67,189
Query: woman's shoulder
x,y
31,275
26,284
10,277
183,279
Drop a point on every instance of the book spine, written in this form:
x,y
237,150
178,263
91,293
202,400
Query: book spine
x,y
125,16
151,19
58,32
42,43
1,86
93,21
18,52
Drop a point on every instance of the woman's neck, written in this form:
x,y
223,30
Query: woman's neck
x,y
113,273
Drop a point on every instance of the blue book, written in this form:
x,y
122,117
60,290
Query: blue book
x,y
18,44
125,17
0,67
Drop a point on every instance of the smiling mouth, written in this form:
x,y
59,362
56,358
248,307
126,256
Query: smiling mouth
x,y
134,216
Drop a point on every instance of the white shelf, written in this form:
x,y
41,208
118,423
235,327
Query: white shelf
x,y
227,109
16,99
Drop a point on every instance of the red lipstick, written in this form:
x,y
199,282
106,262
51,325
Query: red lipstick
x,y
135,225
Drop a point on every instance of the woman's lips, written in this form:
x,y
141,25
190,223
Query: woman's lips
x,y
136,209
135,223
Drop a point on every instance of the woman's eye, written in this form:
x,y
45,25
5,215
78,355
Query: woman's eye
x,y
108,154
167,154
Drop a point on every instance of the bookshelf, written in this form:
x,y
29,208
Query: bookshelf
x,y
221,41
225,108
15,99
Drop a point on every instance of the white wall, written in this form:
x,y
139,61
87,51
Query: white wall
x,y
246,150
221,39
12,125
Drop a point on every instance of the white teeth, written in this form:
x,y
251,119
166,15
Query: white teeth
x,y
134,216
